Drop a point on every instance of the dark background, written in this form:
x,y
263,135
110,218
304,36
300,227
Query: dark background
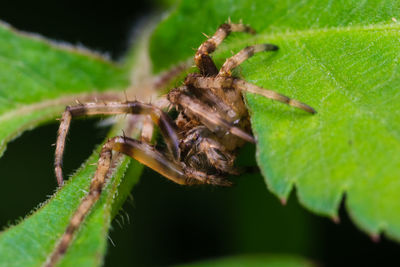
x,y
169,224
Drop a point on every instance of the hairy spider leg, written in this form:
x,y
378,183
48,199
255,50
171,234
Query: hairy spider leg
x,y
96,187
228,83
149,156
212,98
202,58
213,121
248,87
242,55
154,159
147,130
145,154
158,117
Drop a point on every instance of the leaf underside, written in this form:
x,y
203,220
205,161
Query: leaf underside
x,y
340,57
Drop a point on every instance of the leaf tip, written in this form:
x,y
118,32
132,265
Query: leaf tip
x,y
283,201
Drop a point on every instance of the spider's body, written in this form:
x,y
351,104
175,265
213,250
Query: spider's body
x,y
201,142
204,122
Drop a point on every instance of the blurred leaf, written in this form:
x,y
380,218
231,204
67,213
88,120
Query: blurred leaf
x,y
340,57
253,260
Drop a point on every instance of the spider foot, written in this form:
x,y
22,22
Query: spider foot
x,y
219,181
195,177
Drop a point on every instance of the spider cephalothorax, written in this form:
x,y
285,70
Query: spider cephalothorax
x,y
201,143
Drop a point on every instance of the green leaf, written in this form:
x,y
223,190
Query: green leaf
x,y
253,260
31,242
340,57
38,79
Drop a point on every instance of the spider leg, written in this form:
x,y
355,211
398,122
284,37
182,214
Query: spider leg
x,y
195,177
242,55
212,120
158,117
149,156
144,153
152,158
96,187
202,58
212,98
248,87
227,83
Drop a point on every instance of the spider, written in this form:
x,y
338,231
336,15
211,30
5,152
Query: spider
x,y
201,142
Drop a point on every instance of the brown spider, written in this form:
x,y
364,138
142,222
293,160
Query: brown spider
x,y
212,124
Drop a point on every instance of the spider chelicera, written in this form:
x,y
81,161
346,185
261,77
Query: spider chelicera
x,y
202,141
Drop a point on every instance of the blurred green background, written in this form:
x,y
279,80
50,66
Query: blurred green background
x,y
163,223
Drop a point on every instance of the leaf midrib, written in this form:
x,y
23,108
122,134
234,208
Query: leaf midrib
x,y
60,101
